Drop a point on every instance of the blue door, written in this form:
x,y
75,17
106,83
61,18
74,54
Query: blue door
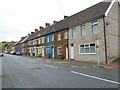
x,y
50,51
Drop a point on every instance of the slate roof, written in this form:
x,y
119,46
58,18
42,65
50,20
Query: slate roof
x,y
91,13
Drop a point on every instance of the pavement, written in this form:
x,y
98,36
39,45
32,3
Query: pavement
x,y
113,65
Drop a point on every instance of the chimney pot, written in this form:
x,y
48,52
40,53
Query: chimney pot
x,y
32,32
28,34
22,38
41,28
65,17
36,30
47,24
54,21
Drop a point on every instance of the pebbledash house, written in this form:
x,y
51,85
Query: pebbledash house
x,y
90,35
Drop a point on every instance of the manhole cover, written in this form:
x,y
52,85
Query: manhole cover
x,y
2,76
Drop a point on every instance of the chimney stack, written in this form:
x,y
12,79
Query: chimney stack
x,y
47,24
28,34
36,30
22,38
65,17
32,32
54,22
41,28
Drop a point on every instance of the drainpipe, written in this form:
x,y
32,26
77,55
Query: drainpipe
x,y
104,24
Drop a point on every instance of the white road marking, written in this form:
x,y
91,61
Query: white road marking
x,y
49,65
95,77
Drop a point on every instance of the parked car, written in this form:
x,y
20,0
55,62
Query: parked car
x,y
18,53
1,55
13,52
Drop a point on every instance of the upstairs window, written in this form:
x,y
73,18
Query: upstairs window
x,y
36,41
52,37
59,36
66,35
73,33
59,50
83,31
42,40
48,39
95,28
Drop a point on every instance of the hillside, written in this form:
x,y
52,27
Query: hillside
x,y
3,44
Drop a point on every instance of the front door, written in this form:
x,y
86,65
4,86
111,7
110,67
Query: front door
x,y
66,52
72,53
52,51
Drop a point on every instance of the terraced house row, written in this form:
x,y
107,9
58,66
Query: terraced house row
x,y
88,35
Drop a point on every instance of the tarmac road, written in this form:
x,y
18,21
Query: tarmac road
x,y
32,72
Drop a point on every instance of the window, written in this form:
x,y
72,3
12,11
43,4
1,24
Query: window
x,y
42,40
59,36
94,27
92,48
83,31
73,33
48,50
87,49
66,35
52,37
59,50
48,39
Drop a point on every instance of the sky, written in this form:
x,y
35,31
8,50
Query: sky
x,y
20,17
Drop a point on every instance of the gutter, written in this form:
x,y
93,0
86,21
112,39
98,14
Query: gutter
x,y
104,24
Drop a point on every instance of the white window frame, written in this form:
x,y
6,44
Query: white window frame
x,y
48,39
42,40
81,29
52,38
73,33
89,48
57,50
93,24
66,35
59,36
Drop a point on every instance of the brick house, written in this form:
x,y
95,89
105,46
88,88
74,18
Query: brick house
x,y
61,44
92,36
